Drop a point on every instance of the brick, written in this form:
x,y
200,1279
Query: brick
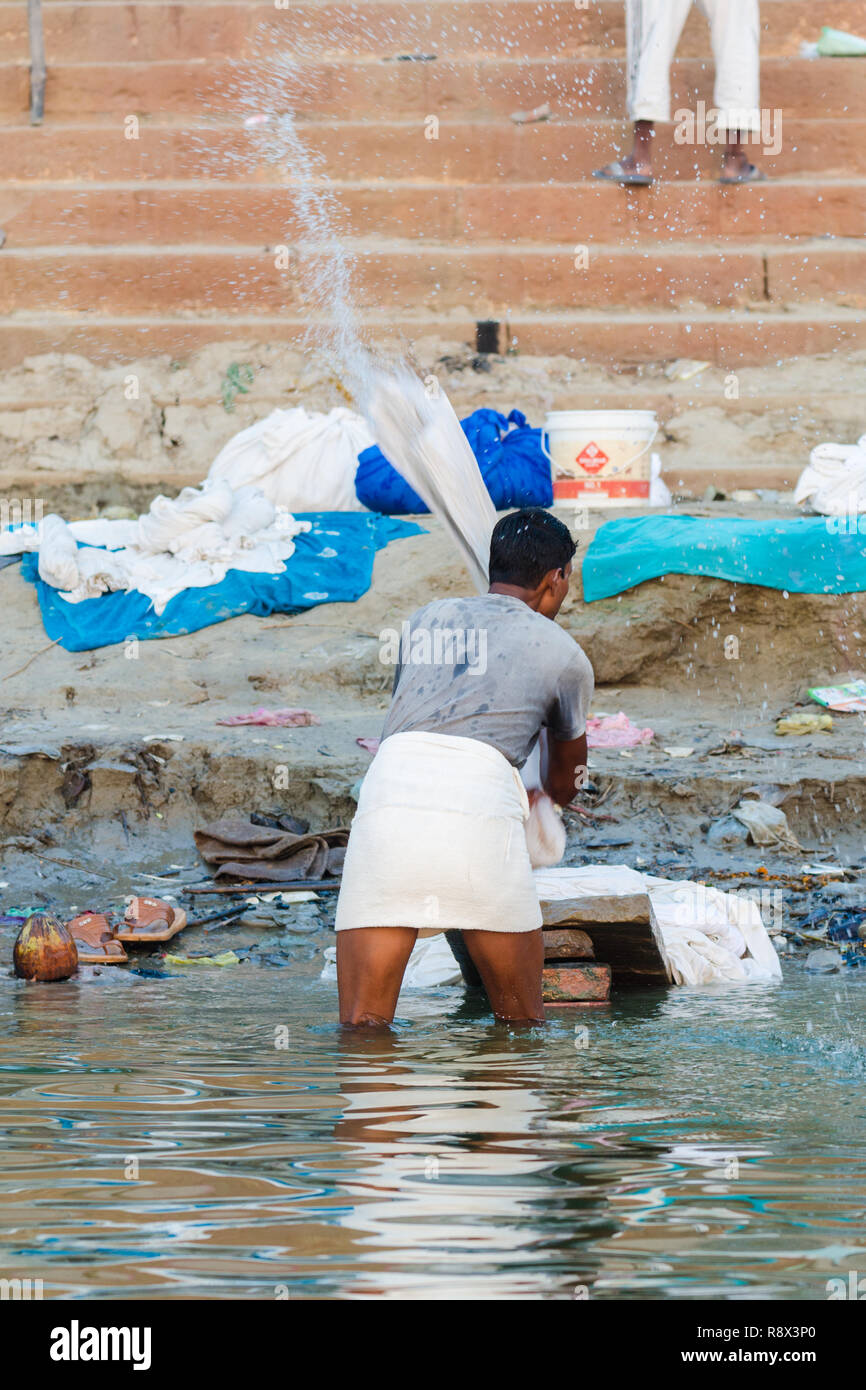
x,y
575,983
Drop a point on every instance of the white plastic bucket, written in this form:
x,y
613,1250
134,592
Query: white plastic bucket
x,y
600,458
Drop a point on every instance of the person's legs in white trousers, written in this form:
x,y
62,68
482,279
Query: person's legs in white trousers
x,y
653,30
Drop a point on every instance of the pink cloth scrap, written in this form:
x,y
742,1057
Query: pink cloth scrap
x,y
615,731
370,744
274,718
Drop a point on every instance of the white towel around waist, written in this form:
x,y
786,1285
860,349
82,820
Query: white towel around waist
x,y
438,840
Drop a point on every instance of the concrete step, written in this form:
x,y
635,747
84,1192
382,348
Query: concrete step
x,y
152,31
728,338
366,151
585,88
222,214
482,281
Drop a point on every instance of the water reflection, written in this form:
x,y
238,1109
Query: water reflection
x,y
692,1144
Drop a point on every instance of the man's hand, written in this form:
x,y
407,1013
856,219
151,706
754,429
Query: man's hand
x,y
566,768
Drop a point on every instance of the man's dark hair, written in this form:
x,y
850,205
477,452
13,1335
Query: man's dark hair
x,y
526,545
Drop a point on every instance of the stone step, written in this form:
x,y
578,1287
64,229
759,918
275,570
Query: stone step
x,y
151,30
365,151
585,88
222,215
727,338
484,282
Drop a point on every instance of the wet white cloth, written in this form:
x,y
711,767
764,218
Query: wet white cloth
x,y
419,433
185,542
438,840
709,936
834,482
653,29
299,459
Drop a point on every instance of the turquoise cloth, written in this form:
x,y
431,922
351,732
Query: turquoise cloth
x,y
806,555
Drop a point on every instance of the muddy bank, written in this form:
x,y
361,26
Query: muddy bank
x,y
81,436
114,756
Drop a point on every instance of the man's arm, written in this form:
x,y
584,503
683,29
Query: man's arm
x,y
566,768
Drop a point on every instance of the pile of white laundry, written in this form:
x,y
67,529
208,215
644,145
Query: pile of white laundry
x,y
186,542
709,936
835,480
240,517
299,459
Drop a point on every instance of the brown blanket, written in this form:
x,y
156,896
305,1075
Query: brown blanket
x,y
244,850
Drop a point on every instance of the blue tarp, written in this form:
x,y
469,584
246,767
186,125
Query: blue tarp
x,y
806,555
516,472
332,563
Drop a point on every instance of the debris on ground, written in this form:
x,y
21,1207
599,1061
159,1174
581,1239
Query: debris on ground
x,y
766,824
615,731
538,113
273,718
845,699
801,722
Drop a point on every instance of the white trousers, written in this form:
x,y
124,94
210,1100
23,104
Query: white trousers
x,y
653,32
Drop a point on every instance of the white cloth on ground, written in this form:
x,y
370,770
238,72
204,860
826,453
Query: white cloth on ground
x,y
653,29
709,936
300,459
184,542
438,840
834,481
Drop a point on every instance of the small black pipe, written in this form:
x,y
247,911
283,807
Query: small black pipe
x,y
487,336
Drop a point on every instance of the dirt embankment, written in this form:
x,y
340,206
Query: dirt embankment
x,y
118,756
81,435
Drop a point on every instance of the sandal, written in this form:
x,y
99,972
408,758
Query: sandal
x,y
151,919
95,940
615,173
750,175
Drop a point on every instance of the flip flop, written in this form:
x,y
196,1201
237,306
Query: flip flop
x,y
94,937
151,919
615,173
752,175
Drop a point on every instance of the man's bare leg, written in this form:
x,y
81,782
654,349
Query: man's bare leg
x,y
510,965
638,164
370,966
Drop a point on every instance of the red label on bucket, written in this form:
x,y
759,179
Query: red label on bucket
x,y
592,459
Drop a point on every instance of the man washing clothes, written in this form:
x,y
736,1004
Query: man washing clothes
x,y
438,839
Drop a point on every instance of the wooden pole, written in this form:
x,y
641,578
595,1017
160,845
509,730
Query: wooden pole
x,y
37,61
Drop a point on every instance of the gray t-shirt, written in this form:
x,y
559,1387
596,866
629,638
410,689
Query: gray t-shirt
x,y
487,668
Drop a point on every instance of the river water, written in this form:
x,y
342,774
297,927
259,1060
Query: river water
x,y
214,1134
